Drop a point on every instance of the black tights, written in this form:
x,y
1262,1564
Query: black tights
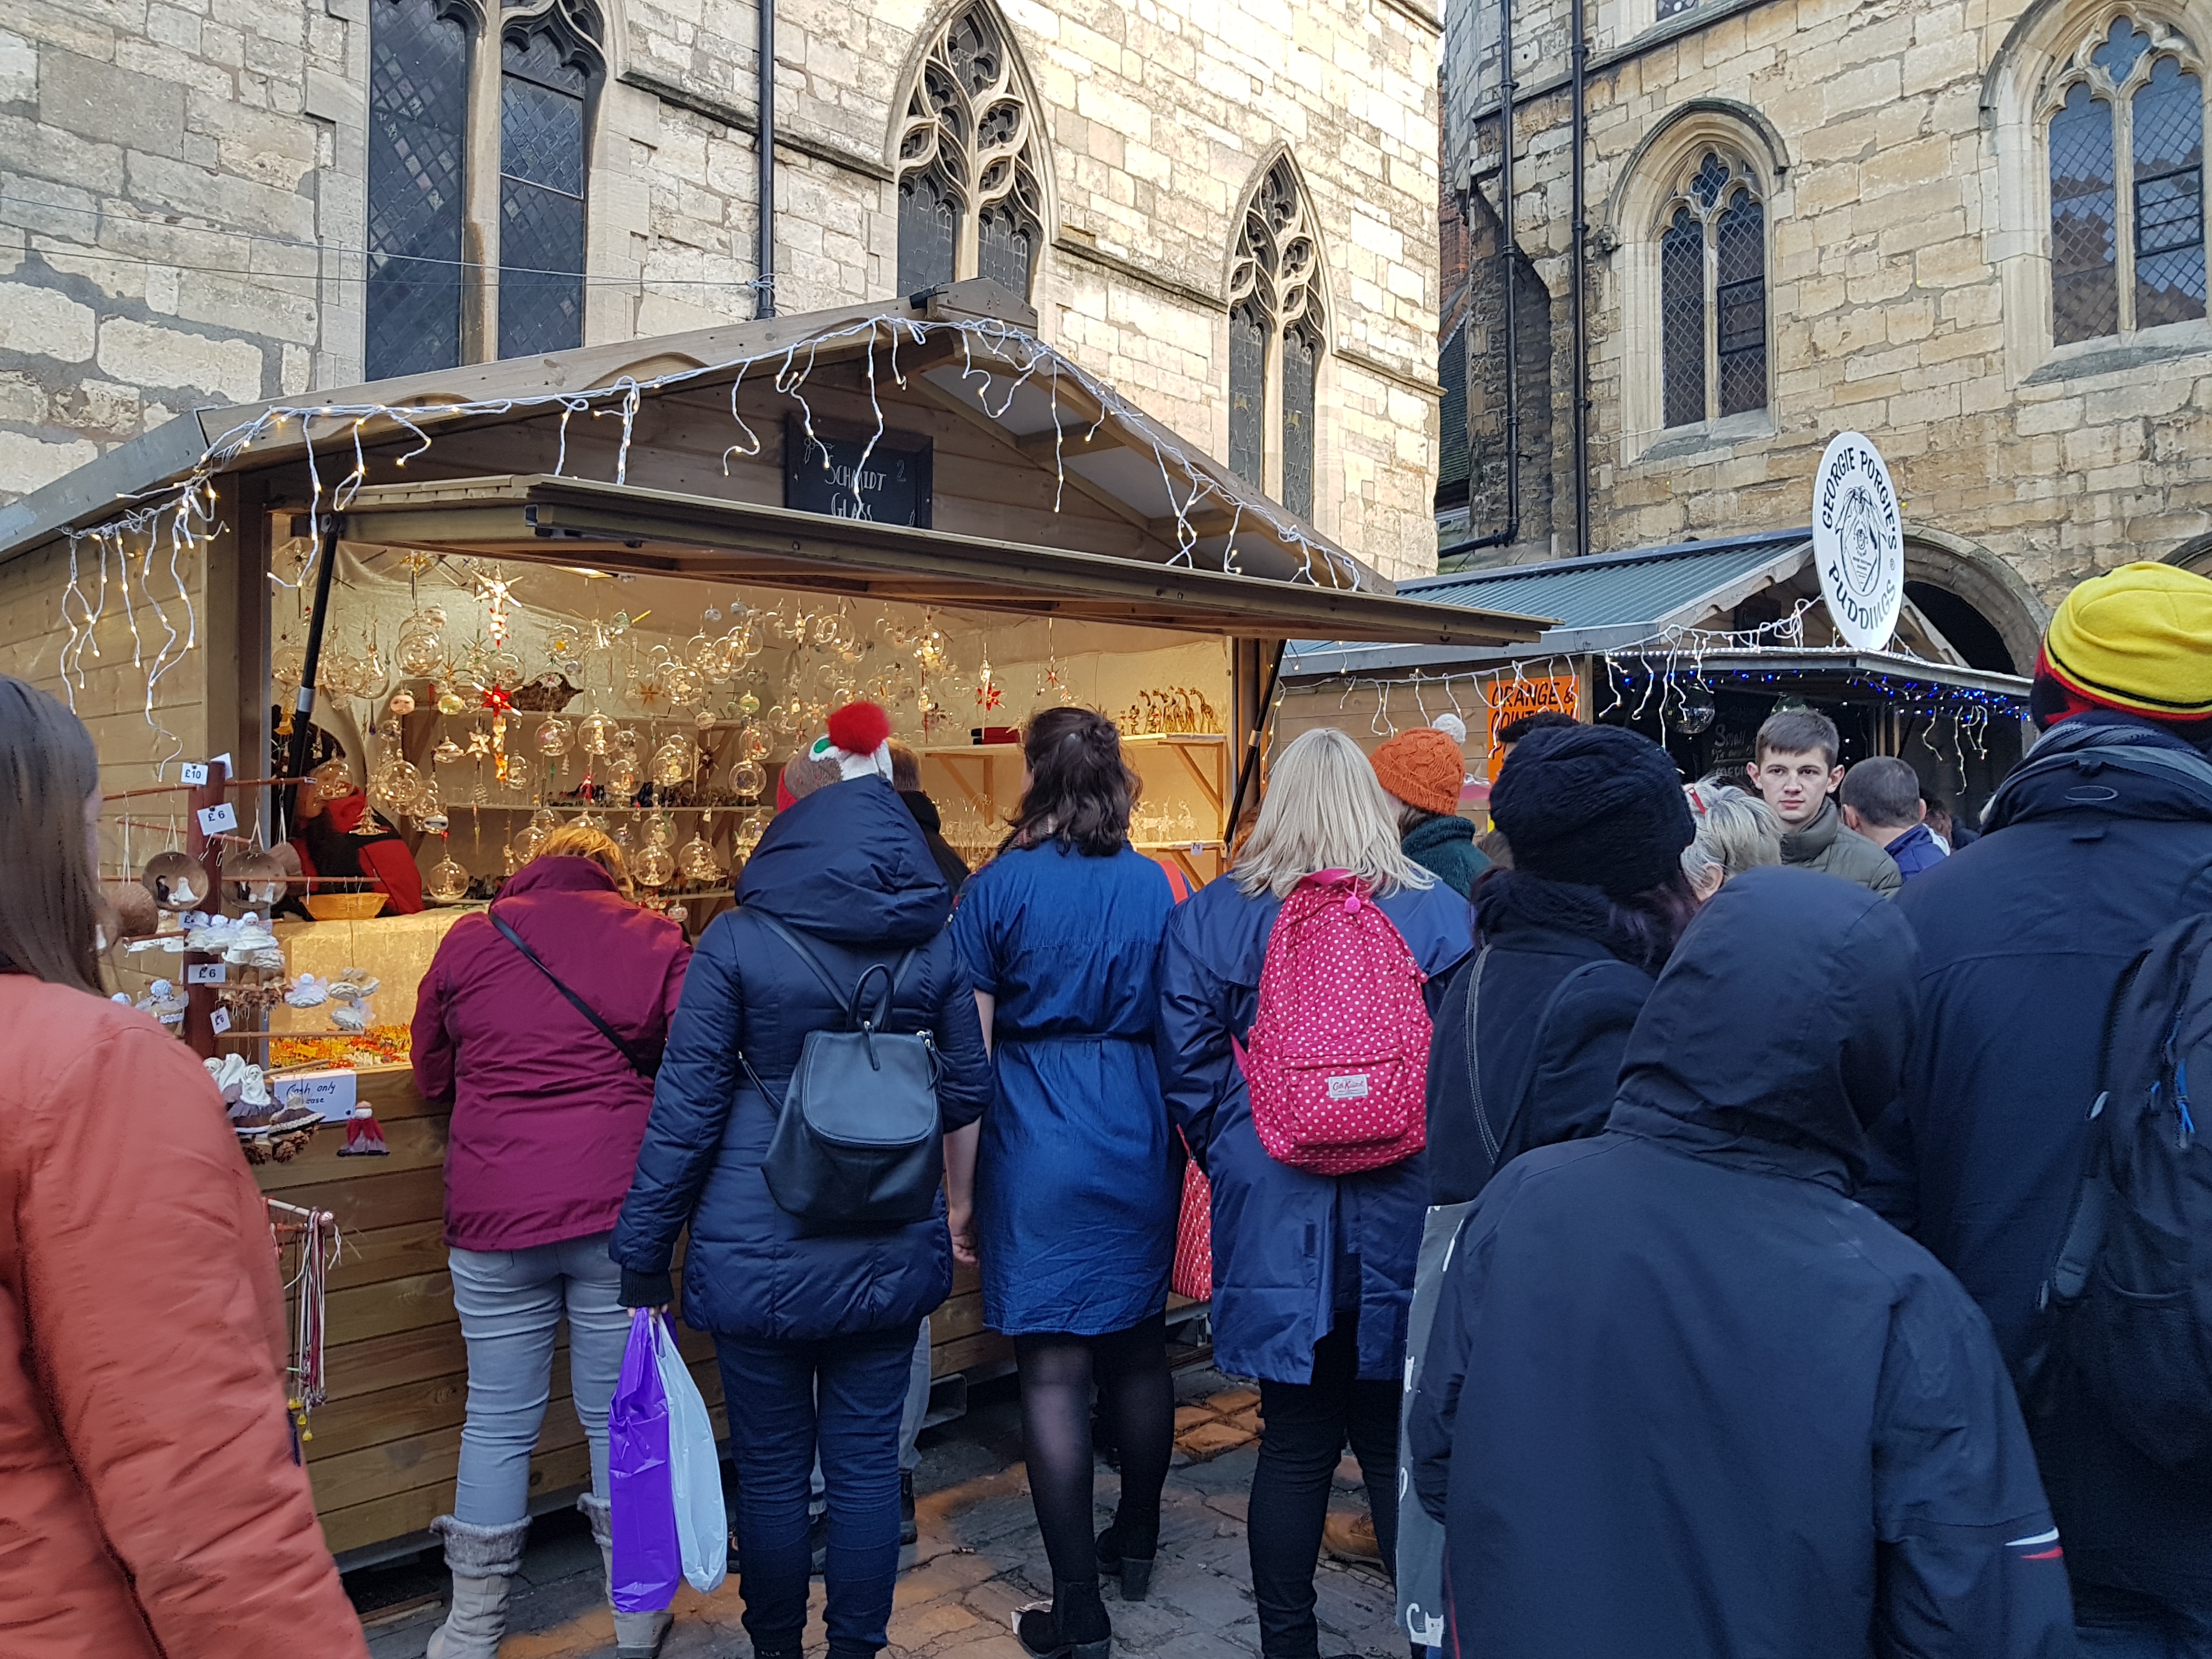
x,y
1136,1397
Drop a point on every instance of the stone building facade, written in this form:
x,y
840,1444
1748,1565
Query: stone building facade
x,y
1223,208
1973,232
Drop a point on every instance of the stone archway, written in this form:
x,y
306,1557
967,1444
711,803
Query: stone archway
x,y
1991,591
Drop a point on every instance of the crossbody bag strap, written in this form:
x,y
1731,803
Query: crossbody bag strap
x,y
628,1053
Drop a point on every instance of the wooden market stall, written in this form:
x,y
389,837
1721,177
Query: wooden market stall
x,y
702,542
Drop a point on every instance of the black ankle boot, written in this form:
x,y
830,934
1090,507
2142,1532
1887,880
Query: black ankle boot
x,y
1073,1626
1120,1560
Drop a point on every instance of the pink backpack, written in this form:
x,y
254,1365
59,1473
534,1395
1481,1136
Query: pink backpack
x,y
1337,1056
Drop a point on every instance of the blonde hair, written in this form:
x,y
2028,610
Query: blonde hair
x,y
1737,831
1325,811
581,841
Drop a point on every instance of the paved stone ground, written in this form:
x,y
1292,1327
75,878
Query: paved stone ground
x,y
977,1561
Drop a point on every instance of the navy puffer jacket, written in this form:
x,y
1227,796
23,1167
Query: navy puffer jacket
x,y
1685,1397
1281,1236
847,867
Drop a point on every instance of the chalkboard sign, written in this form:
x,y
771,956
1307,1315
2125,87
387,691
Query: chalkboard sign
x,y
892,488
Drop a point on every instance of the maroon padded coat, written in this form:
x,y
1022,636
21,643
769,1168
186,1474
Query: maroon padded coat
x,y
548,1115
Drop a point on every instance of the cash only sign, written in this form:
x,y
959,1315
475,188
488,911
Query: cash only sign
x,y
1858,542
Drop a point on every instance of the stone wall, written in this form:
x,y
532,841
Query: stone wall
x,y
181,203
1900,150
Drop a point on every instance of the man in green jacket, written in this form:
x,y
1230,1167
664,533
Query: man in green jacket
x,y
1796,772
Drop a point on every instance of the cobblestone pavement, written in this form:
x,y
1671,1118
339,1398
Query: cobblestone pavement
x,y
977,1561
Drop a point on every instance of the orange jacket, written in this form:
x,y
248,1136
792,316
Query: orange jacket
x,y
150,1506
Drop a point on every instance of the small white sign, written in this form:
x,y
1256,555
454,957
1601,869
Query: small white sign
x,y
224,761
219,1021
1858,542
207,973
1351,1087
331,1093
217,819
194,773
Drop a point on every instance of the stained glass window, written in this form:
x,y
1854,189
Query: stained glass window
x,y
1301,366
1248,391
2169,196
1712,295
970,164
1454,464
418,100
544,95
1740,304
2126,154
1682,318
2084,244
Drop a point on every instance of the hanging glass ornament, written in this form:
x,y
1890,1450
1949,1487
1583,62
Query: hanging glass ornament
x,y
395,787
429,811
752,743
449,702
660,829
422,642
401,706
595,735
287,663
565,643
623,779
672,762
748,836
449,882
504,670
697,861
448,752
554,736
704,719
629,743
684,684
747,779
652,867
1696,709
748,705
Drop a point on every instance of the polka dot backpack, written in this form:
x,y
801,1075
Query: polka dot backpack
x,y
1337,1060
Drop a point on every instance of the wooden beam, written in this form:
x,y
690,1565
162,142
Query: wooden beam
x,y
1075,481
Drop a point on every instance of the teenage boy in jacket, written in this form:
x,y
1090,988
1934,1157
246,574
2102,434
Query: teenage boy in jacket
x,y
1795,771
1683,1397
2101,838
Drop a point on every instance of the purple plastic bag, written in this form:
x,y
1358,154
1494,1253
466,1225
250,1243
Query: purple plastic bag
x,y
648,1560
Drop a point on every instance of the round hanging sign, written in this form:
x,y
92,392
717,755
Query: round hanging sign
x,y
1858,542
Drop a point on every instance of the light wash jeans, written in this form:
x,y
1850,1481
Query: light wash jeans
x,y
511,1303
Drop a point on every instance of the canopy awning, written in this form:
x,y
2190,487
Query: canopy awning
x,y
625,527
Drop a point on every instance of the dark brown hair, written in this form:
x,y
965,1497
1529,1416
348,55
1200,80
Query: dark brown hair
x,y
1798,732
1080,788
49,894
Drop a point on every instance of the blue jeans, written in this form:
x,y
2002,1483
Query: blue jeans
x,y
511,1303
844,1395
2123,1624
918,1380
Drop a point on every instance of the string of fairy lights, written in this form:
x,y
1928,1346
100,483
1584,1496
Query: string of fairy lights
x,y
163,530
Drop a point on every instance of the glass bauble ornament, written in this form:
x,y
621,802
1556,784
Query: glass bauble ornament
x,y
652,867
748,705
704,719
565,643
449,702
623,779
422,642
396,787
697,861
554,736
685,685
660,830
1696,710
448,883
595,735
629,743
747,779
504,670
748,836
287,663
401,706
752,743
672,762
447,752
527,841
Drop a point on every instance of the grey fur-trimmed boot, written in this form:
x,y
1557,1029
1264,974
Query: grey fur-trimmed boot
x,y
484,1561
637,1635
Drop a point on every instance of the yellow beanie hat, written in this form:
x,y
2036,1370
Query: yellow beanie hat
x,y
2139,639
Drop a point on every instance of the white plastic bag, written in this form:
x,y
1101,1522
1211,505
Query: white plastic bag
x,y
695,1471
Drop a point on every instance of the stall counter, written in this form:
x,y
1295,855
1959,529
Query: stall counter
x,y
385,1445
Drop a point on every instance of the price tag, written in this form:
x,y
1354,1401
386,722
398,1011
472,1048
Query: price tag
x,y
217,819
224,761
219,1022
207,973
193,772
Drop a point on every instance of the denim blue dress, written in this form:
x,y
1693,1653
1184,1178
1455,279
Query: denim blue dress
x,y
1076,1198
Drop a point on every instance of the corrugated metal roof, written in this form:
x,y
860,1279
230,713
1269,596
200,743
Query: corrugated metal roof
x,y
1613,590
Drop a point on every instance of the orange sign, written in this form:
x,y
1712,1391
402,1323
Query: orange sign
x,y
1510,699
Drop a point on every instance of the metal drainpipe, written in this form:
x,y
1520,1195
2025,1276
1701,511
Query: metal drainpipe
x,y
764,53
1577,264
1506,248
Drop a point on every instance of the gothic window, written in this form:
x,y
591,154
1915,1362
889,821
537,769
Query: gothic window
x,y
970,162
2124,133
1712,294
1455,466
547,67
418,99
1276,342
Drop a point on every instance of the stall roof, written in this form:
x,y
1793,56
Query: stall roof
x,y
570,521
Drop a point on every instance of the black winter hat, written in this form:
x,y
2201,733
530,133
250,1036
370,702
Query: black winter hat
x,y
1598,805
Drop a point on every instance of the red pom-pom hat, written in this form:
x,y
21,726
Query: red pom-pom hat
x,y
859,728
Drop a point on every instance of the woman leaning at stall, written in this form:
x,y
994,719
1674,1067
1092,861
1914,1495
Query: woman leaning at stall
x,y
549,1110
813,1321
1075,1193
149,1499
1311,1272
